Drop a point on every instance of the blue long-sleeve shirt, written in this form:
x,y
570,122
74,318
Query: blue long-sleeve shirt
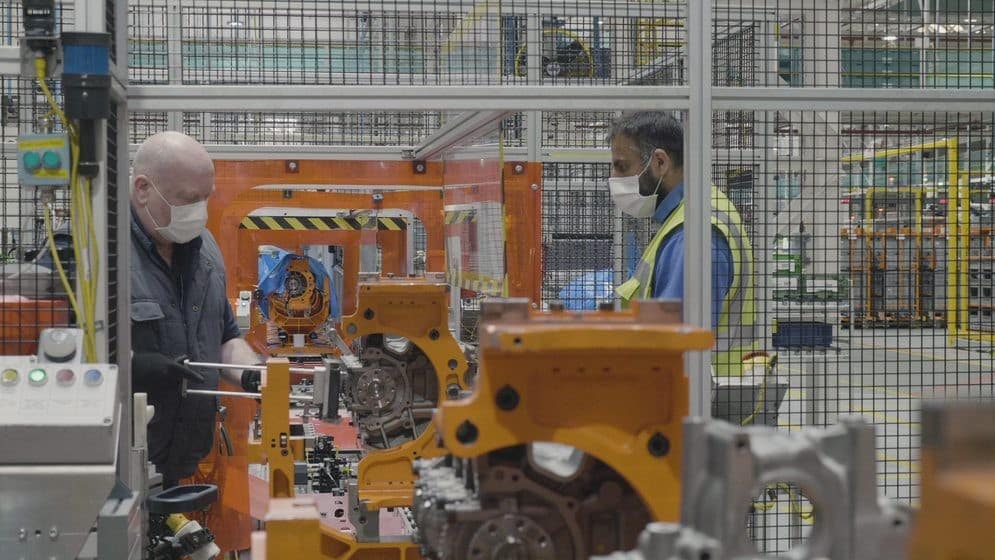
x,y
668,278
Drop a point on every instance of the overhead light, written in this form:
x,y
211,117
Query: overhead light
x,y
971,20
235,24
889,38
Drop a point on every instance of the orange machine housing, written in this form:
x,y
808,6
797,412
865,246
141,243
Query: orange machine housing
x,y
243,187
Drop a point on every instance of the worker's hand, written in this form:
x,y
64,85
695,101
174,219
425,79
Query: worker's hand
x,y
156,371
251,380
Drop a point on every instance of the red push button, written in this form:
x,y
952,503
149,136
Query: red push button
x,y
65,377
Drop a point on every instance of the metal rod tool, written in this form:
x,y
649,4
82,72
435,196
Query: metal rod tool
x,y
308,371
207,392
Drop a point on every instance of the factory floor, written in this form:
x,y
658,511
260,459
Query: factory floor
x,y
884,375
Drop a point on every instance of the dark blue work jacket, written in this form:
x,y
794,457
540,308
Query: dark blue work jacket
x,y
180,310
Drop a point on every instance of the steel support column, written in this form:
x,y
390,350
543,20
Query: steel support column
x,y
697,196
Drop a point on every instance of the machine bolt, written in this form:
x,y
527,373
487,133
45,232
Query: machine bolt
x,y
659,538
452,391
659,445
434,334
292,166
369,314
53,533
467,433
535,187
507,398
519,169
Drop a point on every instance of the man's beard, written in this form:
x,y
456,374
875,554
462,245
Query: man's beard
x,y
648,185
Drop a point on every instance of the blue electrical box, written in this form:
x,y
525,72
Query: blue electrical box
x,y
43,160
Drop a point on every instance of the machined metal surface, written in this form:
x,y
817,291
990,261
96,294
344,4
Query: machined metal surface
x,y
726,467
47,512
392,396
516,504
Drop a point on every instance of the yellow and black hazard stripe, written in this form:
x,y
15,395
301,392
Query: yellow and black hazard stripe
x,y
454,217
320,223
476,283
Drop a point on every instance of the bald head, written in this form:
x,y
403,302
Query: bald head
x,y
173,155
175,165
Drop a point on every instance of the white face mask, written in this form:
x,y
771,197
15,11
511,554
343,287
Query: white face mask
x,y
186,222
625,194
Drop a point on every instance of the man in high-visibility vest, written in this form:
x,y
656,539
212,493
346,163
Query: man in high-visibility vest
x,y
647,181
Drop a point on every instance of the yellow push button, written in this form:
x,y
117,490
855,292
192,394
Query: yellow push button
x,y
9,377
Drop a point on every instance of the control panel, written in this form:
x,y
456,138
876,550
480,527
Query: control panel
x,y
43,160
57,412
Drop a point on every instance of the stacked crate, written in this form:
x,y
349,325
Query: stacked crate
x,y
933,277
980,283
895,277
854,265
899,278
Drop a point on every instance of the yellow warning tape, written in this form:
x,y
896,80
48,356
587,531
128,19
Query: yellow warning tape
x,y
455,217
320,223
476,283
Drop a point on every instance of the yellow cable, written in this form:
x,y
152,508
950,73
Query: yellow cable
x,y
81,225
50,234
94,256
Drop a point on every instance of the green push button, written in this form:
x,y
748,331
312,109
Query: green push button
x,y
32,162
37,377
51,160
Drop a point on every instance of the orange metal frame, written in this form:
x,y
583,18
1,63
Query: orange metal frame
x,y
237,196
553,361
518,186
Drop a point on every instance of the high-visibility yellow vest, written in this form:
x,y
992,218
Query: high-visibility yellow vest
x,y
736,334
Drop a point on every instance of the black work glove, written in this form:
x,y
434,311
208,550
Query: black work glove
x,y
151,372
251,380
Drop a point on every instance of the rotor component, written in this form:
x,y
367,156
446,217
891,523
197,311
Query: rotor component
x,y
392,396
513,503
511,537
